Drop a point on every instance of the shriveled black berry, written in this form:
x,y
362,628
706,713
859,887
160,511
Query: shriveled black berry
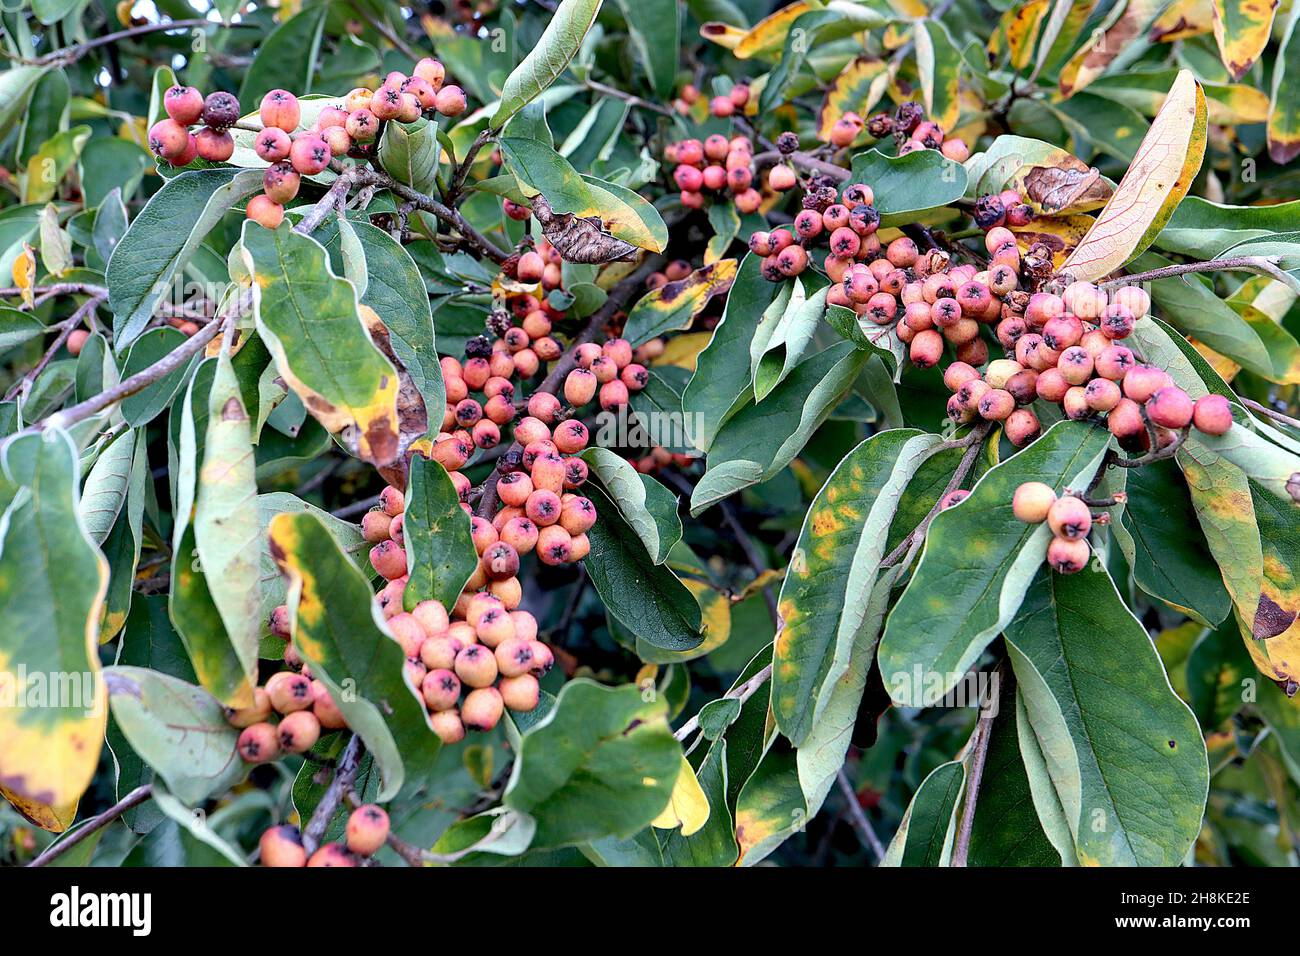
x,y
787,143
480,346
880,125
989,212
907,117
498,323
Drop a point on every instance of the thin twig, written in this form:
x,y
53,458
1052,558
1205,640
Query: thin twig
x,y
866,833
136,797
452,196
753,556
1265,265
66,328
59,288
451,217
75,52
1271,413
387,33
741,693
978,753
344,775
629,98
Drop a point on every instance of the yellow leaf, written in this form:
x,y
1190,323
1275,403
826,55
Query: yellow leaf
x,y
688,807
1183,19
1092,58
768,35
1167,160
54,819
1242,29
723,34
684,350
857,89
24,273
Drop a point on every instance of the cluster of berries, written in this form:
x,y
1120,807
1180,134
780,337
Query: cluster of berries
x,y
1068,516
484,646
847,223
721,106
542,264
366,831
303,705
1066,349
1007,208
717,166
293,152
910,129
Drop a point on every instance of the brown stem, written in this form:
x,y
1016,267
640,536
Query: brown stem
x,y
805,161
66,328
753,556
1156,453
1266,265
1271,413
741,693
452,217
75,52
344,776
96,823
979,749
866,833
59,288
452,195
629,98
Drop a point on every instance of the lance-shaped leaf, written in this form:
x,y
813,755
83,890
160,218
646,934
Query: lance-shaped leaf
x,y
122,546
545,62
1183,19
225,670
162,238
1123,753
826,594
783,335
1226,104
1284,96
648,507
227,530
761,439
654,27
714,844
675,305
939,62
104,489
1241,30
929,826
52,584
178,729
1158,178
1204,230
770,806
308,317
338,630
768,35
1127,24
721,371
907,186
646,598
602,763
439,546
977,563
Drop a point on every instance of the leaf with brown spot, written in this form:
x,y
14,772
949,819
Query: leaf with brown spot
x,y
674,305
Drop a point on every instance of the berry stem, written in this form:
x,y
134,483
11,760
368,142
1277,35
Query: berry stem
x,y
629,99
1270,413
1263,265
133,799
66,328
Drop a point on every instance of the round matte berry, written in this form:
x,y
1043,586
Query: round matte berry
x,y
1212,414
1068,517
282,846
1032,501
1067,557
184,104
367,829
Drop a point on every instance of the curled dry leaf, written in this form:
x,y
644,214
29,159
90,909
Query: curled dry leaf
x,y
581,239
412,416
1071,185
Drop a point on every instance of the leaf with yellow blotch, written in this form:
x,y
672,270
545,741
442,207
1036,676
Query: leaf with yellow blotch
x,y
1241,30
1284,98
1128,24
688,807
1227,104
857,88
1161,173
338,630
53,819
1052,180
827,589
1061,234
675,305
1183,19
52,586
1060,31
24,273
309,319
939,62
768,35
1020,29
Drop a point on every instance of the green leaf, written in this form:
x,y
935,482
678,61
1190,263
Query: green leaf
x,y
1220,676
18,327
826,594
122,547
409,153
714,844
1124,755
602,763
925,836
46,114
163,237
152,400
52,583
783,335
439,546
196,826
286,58
761,439
939,63
49,164
908,186
1203,229
16,85
1284,97
104,489
646,598
338,630
770,806
559,43
177,729
976,565
649,508
1165,546
309,319
226,670
655,30
722,369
